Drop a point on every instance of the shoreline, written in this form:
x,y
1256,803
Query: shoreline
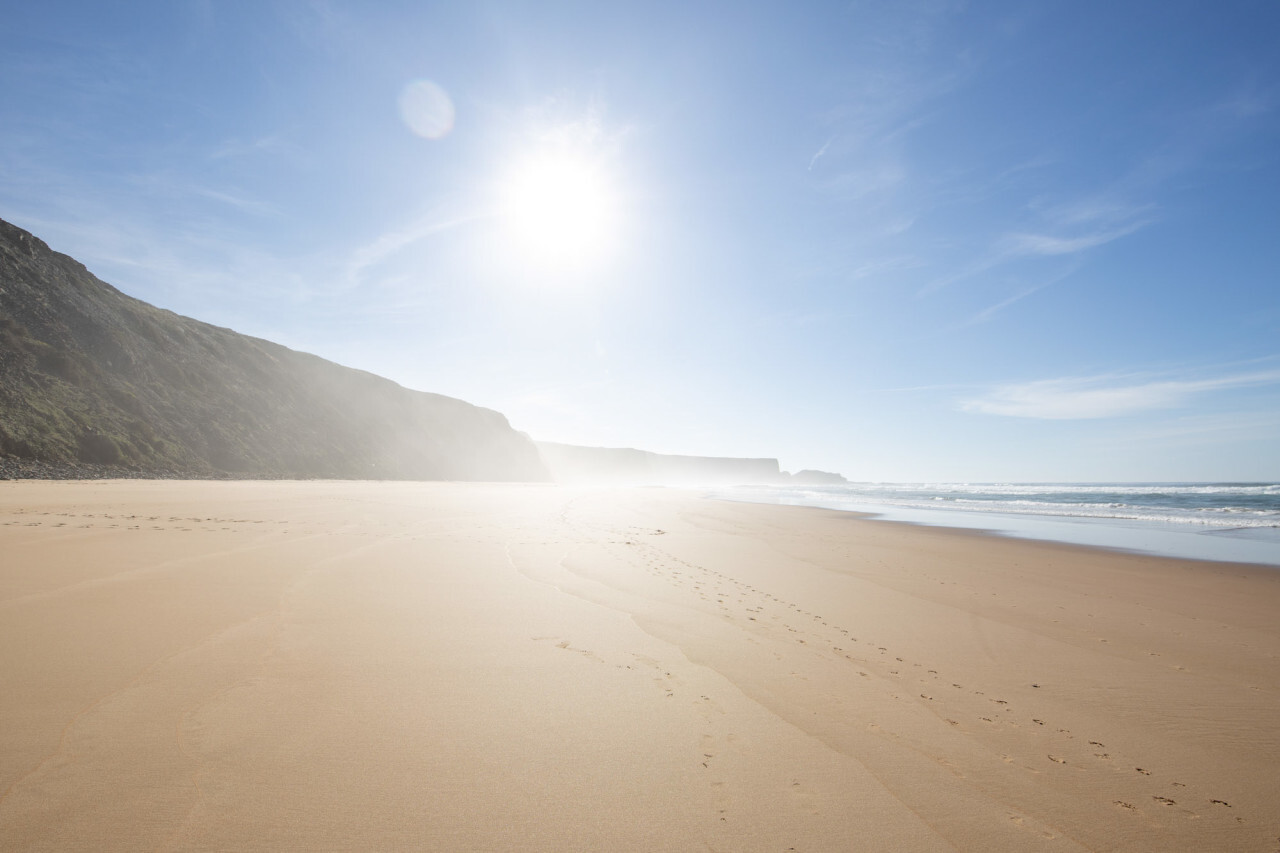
x,y
984,532
323,665
1246,545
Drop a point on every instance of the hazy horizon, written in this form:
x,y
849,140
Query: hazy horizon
x,y
905,242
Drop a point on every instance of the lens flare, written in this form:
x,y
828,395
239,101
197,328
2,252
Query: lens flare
x,y
426,109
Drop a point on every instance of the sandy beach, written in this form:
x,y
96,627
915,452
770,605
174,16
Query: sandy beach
x,y
405,666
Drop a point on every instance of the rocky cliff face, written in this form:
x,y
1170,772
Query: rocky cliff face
x,y
89,374
809,477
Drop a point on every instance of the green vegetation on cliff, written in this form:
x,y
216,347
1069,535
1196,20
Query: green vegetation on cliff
x,y
89,374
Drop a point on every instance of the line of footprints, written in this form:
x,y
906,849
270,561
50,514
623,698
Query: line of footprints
x,y
84,521
757,610
190,524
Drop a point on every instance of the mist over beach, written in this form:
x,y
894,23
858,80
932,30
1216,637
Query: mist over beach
x,y
639,426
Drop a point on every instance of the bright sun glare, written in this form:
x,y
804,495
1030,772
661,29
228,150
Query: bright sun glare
x,y
561,210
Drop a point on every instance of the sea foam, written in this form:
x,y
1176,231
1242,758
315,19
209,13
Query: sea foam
x,y
1244,518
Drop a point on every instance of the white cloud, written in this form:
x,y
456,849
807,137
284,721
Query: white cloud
x,y
1099,210
388,244
821,151
1017,245
269,144
867,179
1246,104
1216,427
1103,396
991,310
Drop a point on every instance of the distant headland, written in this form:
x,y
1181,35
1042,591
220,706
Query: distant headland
x,y
95,383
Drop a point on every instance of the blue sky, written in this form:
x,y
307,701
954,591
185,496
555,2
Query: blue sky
x,y
902,240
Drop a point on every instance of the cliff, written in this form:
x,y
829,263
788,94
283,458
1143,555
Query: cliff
x,y
809,477
88,374
573,464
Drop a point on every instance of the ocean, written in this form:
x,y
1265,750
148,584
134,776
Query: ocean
x,y
1236,522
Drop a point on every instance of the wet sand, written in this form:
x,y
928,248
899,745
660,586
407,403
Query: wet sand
x,y
393,666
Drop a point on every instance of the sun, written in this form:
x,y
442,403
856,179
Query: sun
x,y
560,210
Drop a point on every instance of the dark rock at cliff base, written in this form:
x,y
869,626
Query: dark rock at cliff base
x,y
90,376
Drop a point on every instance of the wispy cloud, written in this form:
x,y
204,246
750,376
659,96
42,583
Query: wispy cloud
x,y
991,310
174,188
269,144
867,179
1212,428
1069,224
1016,246
821,151
1102,210
1247,103
1109,396
236,200
383,247
888,93
1024,244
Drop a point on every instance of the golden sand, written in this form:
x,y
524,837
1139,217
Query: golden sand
x,y
388,666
